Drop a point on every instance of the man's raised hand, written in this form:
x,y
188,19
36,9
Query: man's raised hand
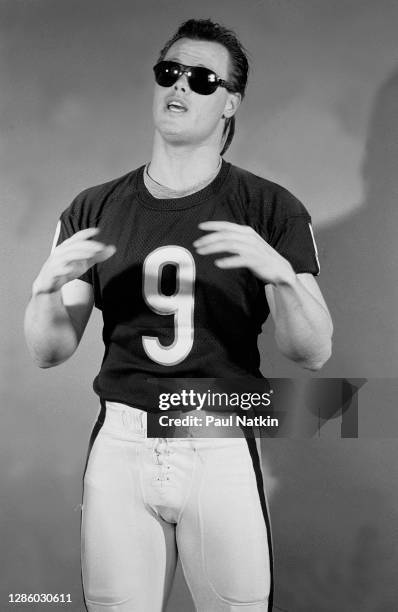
x,y
71,259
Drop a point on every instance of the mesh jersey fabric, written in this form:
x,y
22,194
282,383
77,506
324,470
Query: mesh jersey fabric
x,y
167,311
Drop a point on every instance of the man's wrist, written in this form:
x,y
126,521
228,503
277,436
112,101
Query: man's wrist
x,y
286,279
39,289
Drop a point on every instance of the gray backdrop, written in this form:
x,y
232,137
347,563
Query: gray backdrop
x,y
321,118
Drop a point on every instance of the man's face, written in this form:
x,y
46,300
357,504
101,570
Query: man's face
x,y
202,119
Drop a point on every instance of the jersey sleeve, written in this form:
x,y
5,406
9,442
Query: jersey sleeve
x,y
292,234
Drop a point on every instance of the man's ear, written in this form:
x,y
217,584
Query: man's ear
x,y
232,104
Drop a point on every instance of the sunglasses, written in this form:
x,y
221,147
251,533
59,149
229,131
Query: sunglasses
x,y
201,80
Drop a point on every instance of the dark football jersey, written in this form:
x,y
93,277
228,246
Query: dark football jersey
x,y
167,311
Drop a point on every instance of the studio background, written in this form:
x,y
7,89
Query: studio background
x,y
320,117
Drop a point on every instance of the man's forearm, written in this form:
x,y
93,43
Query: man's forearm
x,y
303,327
49,332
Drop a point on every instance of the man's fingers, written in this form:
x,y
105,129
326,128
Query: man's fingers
x,y
102,255
87,254
221,246
223,225
231,262
106,253
84,234
233,245
232,236
79,255
90,246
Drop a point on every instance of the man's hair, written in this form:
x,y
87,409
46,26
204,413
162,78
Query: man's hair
x,y
205,29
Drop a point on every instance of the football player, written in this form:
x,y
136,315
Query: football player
x,y
185,256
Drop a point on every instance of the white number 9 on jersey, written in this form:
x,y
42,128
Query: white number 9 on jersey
x,y
180,304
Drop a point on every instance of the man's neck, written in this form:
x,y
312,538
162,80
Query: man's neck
x,y
182,167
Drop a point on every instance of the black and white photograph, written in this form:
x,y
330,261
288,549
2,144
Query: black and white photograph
x,y
199,207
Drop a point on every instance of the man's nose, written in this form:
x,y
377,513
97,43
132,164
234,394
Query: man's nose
x,y
181,83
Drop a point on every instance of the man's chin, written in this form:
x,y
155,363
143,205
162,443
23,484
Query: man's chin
x,y
176,136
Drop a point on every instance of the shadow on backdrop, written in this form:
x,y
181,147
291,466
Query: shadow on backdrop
x,y
334,515
360,257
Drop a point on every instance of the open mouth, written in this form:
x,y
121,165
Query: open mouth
x,y
176,107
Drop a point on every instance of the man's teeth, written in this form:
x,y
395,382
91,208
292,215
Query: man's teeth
x,y
176,106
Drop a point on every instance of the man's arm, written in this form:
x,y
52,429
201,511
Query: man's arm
x,y
303,325
61,303
54,322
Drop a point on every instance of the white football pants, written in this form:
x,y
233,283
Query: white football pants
x,y
147,500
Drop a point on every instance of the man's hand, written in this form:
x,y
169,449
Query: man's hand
x,y
303,326
250,251
71,259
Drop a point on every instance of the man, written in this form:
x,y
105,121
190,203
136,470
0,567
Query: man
x,y
193,255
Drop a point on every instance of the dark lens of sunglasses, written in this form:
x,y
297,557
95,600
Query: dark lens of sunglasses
x,y
165,74
201,80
